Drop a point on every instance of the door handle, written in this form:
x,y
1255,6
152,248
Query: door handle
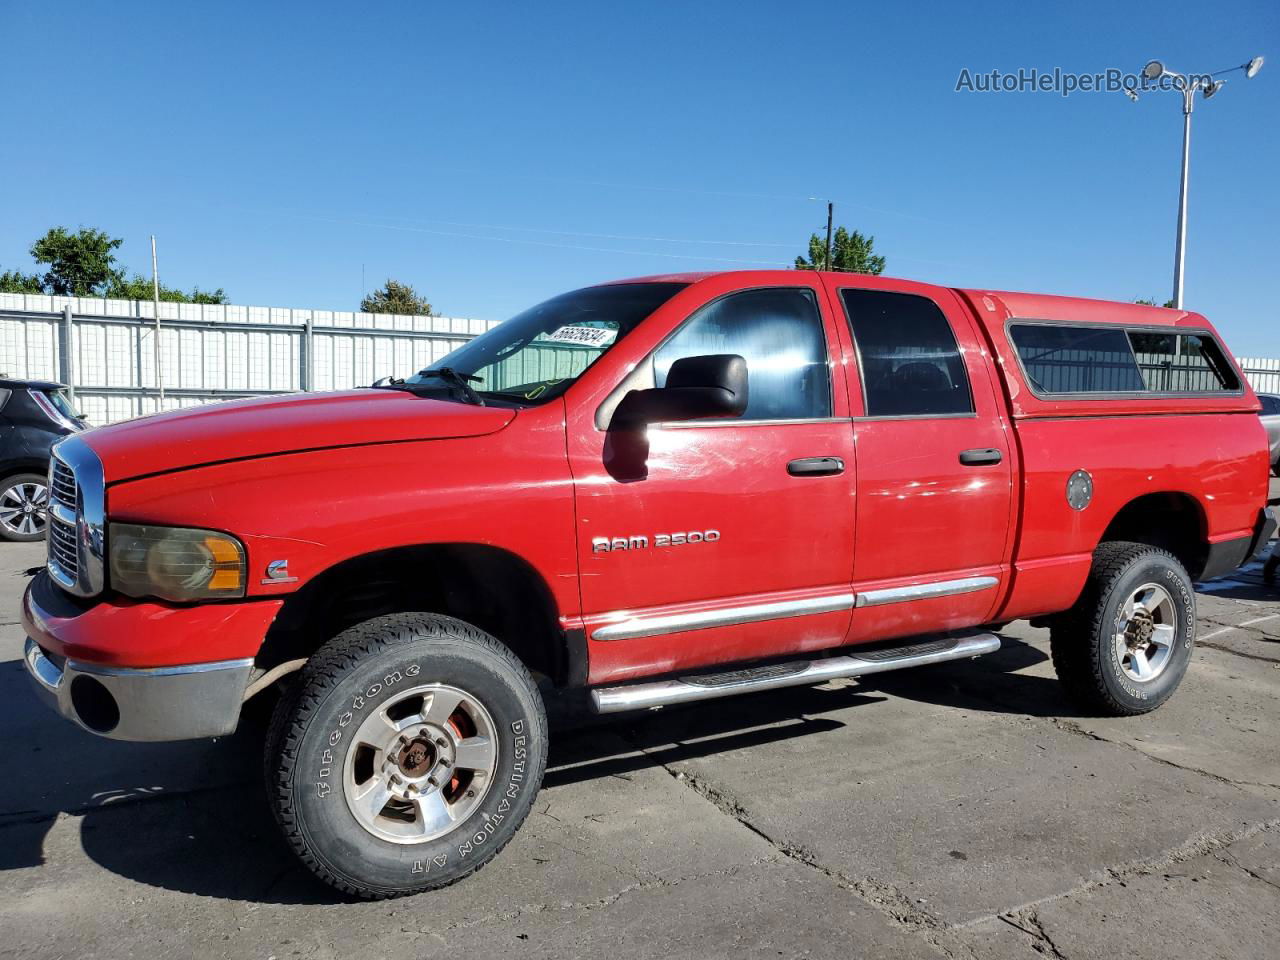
x,y
815,467
983,456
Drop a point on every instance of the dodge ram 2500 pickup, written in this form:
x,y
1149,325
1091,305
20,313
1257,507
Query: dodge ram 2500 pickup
x,y
658,491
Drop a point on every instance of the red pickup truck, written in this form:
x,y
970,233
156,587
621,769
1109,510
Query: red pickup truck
x,y
658,490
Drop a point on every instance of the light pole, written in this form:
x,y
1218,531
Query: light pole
x,y
1154,72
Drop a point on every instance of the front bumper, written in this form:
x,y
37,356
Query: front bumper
x,y
160,703
122,669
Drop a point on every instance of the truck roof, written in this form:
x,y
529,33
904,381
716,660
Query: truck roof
x,y
1038,306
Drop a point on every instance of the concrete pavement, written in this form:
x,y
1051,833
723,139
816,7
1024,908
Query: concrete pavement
x,y
964,810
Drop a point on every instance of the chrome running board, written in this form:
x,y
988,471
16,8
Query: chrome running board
x,y
660,693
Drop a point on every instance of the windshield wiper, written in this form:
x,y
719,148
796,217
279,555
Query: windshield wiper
x,y
462,381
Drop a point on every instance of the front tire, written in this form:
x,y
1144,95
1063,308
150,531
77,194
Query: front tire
x,y
407,755
1124,647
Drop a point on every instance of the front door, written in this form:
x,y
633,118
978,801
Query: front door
x,y
934,507
713,541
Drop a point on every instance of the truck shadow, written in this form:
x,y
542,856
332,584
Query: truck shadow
x,y
193,817
1245,583
212,834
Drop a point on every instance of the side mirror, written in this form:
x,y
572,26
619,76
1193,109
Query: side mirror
x,y
712,386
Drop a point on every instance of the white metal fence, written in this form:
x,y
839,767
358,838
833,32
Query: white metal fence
x,y
105,348
1263,373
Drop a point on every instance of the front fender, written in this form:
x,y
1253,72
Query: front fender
x,y
316,509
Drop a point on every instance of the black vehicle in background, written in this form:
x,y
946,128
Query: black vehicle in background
x,y
1270,414
34,415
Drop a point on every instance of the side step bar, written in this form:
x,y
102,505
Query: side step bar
x,y
660,693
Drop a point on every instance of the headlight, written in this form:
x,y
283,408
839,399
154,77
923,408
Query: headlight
x,y
175,563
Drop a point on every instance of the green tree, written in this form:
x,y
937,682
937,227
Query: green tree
x,y
1152,303
15,281
851,252
395,297
138,287
81,264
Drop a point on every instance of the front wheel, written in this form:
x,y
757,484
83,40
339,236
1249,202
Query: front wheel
x,y
1125,645
407,755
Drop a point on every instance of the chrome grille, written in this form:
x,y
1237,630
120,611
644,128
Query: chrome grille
x,y
62,484
62,549
64,555
77,518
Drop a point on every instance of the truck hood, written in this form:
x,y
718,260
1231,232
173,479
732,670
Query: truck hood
x,y
262,427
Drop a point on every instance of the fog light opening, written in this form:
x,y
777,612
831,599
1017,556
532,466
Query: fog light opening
x,y
94,704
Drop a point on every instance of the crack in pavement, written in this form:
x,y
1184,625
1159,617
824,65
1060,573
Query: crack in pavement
x,y
884,898
1204,843
891,902
1224,856
533,909
1028,921
1070,726
1237,653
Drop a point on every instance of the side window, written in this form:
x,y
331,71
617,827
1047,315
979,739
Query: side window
x,y
1059,359
911,365
778,331
1182,363
1270,405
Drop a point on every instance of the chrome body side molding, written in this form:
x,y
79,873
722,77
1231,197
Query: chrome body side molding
x,y
654,626
924,591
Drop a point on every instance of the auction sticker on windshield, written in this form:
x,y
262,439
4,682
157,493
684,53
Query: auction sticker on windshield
x,y
583,336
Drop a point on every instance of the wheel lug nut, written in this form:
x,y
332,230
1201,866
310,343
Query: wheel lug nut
x,y
440,742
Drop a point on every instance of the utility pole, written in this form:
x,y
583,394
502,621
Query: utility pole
x,y
155,299
830,213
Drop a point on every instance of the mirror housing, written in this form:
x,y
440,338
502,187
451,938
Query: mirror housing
x,y
707,387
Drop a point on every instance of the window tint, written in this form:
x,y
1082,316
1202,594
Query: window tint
x,y
911,365
1182,363
779,333
1076,359
1270,405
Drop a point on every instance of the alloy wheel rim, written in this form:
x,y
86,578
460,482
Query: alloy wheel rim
x,y
1146,629
24,508
420,764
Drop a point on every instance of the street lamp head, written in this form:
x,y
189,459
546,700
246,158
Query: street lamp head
x,y
1252,67
1131,93
1153,70
1212,87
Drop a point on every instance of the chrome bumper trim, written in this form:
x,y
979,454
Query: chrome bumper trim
x,y
159,703
660,693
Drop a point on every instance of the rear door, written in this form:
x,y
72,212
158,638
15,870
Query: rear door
x,y
934,504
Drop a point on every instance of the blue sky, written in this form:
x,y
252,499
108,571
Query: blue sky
x,y
495,155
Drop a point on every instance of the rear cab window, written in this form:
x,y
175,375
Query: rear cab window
x,y
1071,360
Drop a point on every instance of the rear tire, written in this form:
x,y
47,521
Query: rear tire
x,y
406,755
1124,647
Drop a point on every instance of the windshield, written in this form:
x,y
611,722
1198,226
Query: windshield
x,y
537,354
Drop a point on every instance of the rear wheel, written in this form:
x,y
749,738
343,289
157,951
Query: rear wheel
x,y
1125,645
407,755
24,502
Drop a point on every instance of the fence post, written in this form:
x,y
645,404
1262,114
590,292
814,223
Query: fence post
x,y
66,353
307,357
